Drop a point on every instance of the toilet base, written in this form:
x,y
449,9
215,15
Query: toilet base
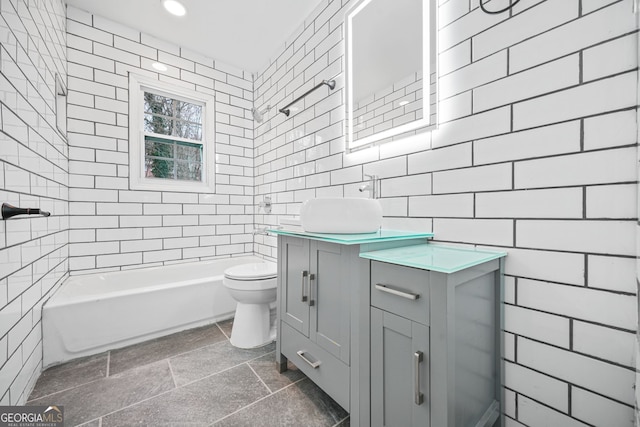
x,y
252,326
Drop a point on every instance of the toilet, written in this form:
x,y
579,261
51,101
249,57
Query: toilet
x,y
253,286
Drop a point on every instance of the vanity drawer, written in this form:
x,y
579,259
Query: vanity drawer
x,y
330,374
400,290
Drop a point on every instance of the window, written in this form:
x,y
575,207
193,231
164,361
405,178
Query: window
x,y
171,137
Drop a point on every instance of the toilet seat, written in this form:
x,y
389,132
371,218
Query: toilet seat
x,y
252,271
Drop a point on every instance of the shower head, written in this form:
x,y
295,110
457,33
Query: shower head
x,y
257,114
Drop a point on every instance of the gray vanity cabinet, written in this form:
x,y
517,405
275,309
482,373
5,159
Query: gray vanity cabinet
x,y
399,332
314,298
435,346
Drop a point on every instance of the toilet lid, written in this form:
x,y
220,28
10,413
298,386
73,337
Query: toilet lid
x,y
252,271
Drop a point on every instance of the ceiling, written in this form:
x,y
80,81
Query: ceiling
x,y
243,33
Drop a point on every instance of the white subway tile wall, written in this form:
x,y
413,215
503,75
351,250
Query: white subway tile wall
x,y
535,154
33,173
125,229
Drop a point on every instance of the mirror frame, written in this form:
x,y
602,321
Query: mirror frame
x,y
429,64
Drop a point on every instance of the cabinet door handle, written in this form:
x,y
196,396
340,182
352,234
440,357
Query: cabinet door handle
x,y
314,365
418,396
312,277
304,276
387,289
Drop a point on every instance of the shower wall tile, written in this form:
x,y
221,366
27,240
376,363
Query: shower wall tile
x,y
597,306
596,167
533,413
536,81
600,237
563,267
535,154
446,205
605,24
600,96
538,142
138,228
612,273
612,201
546,390
538,19
612,381
546,203
34,169
598,410
538,326
614,57
610,130
605,343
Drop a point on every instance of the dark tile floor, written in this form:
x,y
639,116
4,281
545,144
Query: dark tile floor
x,y
192,378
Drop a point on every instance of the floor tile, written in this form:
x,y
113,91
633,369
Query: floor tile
x,y
265,367
163,347
71,374
226,326
90,401
94,423
209,360
301,404
198,404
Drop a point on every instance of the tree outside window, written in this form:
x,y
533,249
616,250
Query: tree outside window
x,y
173,138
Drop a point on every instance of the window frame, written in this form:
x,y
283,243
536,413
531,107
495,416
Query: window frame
x,y
137,181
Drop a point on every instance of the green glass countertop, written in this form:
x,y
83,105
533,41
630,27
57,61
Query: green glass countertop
x,y
433,257
354,239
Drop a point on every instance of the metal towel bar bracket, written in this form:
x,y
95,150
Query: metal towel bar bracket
x,y
331,83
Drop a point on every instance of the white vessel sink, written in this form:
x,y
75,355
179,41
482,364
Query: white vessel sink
x,y
343,216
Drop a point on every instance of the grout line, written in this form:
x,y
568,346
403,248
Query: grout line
x,y
340,422
192,382
173,377
75,386
254,371
259,400
108,364
223,333
226,369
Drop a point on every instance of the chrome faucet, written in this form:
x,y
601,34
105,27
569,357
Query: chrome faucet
x,y
260,230
371,186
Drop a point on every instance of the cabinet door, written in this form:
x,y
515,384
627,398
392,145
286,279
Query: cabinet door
x,y
295,283
330,287
398,375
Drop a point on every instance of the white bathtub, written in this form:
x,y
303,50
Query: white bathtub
x,y
94,313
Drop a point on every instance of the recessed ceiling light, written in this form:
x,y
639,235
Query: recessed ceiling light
x,y
174,7
158,66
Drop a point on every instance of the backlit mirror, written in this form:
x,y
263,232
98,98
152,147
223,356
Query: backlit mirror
x,y
391,81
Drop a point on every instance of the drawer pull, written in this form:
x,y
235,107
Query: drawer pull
x,y
312,277
314,365
304,276
417,359
387,289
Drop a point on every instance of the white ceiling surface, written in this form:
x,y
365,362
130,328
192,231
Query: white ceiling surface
x,y
242,33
